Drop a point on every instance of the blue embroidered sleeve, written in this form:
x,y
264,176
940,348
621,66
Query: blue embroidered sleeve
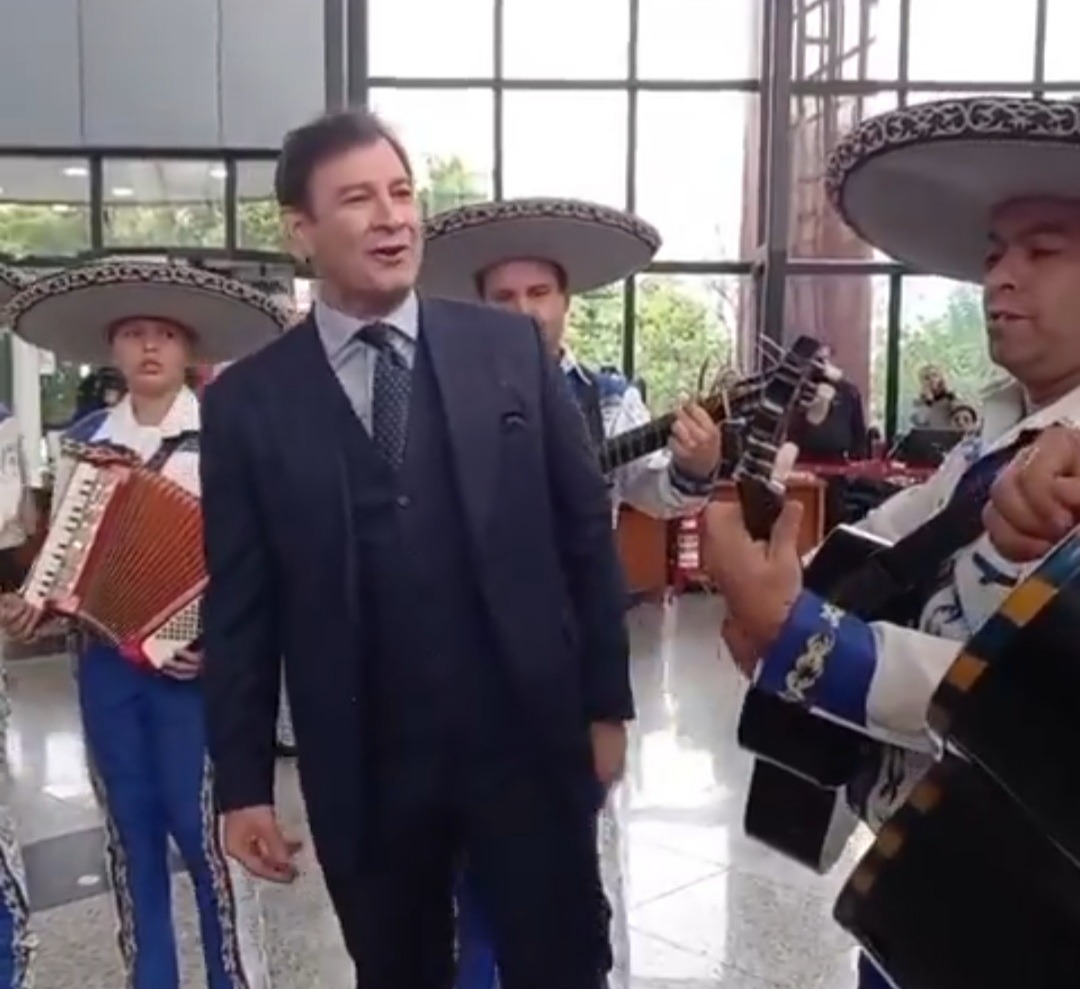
x,y
823,658
693,487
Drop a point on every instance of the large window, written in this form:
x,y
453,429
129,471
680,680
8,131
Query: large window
x,y
44,206
448,135
559,143
152,203
942,324
691,188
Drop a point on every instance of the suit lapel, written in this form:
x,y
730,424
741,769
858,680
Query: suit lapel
x,y
468,387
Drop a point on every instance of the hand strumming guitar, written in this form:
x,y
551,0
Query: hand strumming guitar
x,y
1035,501
759,581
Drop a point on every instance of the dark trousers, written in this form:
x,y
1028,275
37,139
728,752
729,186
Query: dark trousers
x,y
529,835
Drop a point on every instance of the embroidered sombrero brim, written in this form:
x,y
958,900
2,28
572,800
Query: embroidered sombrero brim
x,y
921,183
71,312
594,245
12,281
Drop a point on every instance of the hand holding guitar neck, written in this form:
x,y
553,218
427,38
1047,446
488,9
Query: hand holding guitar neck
x,y
1035,501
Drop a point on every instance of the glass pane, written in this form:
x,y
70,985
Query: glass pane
x,y
431,39
595,330
818,122
850,313
684,323
44,207
157,203
587,161
258,221
565,39
961,41
449,136
942,323
695,39
850,40
696,200
1062,30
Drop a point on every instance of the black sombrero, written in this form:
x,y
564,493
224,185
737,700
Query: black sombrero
x,y
12,281
920,183
71,312
594,245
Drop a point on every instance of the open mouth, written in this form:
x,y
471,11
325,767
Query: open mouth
x,y
390,253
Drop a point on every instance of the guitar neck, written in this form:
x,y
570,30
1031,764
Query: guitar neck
x,y
636,443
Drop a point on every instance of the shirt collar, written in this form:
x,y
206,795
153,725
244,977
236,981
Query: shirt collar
x,y
337,329
182,417
1005,413
569,364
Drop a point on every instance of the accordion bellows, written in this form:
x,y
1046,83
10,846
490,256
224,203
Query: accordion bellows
x,y
123,556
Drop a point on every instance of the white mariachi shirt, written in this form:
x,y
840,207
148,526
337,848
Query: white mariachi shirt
x,y
118,425
645,484
15,501
879,677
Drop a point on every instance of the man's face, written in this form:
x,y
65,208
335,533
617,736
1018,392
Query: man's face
x,y
151,354
1032,293
533,288
932,381
361,225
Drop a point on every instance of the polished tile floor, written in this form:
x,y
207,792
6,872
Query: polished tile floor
x,y
708,907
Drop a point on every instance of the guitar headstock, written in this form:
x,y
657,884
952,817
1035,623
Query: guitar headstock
x,y
800,386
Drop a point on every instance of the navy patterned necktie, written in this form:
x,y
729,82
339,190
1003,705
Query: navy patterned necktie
x,y
390,394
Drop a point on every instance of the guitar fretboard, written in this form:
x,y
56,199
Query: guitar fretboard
x,y
635,443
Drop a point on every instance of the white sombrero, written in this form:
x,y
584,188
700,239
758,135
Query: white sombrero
x,y
921,183
12,281
594,245
71,312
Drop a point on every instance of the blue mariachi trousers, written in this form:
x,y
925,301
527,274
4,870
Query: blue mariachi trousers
x,y
146,745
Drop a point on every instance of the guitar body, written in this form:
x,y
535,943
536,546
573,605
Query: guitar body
x,y
797,803
962,891
974,882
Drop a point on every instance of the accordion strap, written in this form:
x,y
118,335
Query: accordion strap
x,y
169,446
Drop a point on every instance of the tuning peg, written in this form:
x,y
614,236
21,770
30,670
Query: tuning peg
x,y
784,463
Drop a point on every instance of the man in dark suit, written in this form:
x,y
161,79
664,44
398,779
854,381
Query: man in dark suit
x,y
400,498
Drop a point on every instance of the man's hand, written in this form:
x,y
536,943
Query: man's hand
x,y
185,664
695,442
744,654
254,839
759,581
1035,501
609,751
18,619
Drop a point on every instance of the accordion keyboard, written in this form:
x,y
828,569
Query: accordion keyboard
x,y
63,553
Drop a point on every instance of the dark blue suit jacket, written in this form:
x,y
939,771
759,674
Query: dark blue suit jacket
x,y
282,569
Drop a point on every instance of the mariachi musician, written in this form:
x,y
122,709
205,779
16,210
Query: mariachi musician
x,y
532,256
144,728
902,181
16,941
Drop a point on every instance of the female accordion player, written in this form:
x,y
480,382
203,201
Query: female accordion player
x,y
140,700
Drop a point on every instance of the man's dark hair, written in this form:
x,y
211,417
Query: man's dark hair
x,y
560,277
306,148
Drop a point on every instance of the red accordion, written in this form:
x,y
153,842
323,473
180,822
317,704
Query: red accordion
x,y
124,556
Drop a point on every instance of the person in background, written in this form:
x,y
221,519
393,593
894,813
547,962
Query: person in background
x,y
144,728
531,256
965,418
424,534
17,941
932,408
